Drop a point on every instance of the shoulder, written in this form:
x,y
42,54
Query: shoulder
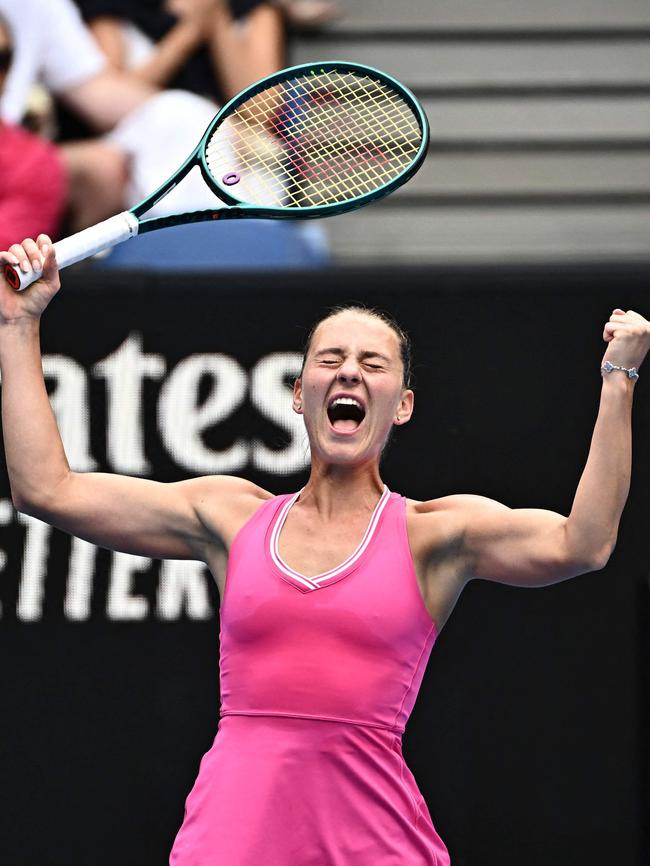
x,y
457,503
444,521
227,490
33,160
35,152
454,507
16,138
224,503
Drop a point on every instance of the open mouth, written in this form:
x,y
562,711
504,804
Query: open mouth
x,y
345,414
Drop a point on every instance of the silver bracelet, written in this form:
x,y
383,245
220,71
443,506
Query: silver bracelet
x,y
632,372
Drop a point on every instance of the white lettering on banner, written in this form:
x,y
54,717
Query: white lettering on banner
x,y
182,420
79,590
182,587
69,401
124,371
32,579
269,393
185,420
121,604
6,513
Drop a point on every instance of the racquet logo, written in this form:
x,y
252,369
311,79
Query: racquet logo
x,y
338,165
318,139
322,136
11,276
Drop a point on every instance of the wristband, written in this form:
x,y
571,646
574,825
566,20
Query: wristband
x,y
632,372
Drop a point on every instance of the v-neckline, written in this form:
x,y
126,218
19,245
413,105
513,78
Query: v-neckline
x,y
301,581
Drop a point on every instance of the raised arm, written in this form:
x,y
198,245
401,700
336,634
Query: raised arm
x,y
185,520
533,547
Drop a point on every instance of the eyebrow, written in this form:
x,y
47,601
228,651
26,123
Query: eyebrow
x,y
335,350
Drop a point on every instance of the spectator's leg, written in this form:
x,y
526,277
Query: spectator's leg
x,y
98,174
246,50
309,13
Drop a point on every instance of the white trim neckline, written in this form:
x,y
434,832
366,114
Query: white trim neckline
x,y
332,574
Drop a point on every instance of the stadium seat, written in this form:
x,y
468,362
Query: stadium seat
x,y
235,245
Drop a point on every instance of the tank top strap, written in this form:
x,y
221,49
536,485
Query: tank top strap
x,y
260,521
361,632
394,523
395,533
254,531
387,530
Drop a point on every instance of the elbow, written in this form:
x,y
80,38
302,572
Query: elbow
x,y
20,501
601,559
585,552
598,559
37,501
25,504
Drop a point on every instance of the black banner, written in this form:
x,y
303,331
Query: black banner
x,y
526,739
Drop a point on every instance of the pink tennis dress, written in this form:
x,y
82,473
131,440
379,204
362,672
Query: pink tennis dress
x,y
318,678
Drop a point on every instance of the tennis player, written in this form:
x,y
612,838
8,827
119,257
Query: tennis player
x,y
334,595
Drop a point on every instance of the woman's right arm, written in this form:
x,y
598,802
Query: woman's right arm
x,y
182,520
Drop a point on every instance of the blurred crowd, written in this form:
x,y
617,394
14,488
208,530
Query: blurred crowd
x,y
101,100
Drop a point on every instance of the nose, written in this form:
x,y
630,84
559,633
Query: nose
x,y
349,371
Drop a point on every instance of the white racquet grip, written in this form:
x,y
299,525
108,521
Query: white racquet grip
x,y
80,246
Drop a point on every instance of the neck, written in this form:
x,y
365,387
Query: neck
x,y
341,489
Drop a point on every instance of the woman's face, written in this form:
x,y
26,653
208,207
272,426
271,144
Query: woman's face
x,y
351,390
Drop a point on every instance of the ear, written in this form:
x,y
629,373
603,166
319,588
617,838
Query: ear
x,y
297,396
405,408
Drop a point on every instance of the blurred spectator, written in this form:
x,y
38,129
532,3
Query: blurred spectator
x,y
309,14
213,48
156,139
33,188
52,45
149,132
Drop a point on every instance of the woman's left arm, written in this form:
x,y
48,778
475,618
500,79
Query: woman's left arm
x,y
533,547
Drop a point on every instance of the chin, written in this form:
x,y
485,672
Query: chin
x,y
346,454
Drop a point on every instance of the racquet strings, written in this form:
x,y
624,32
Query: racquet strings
x,y
317,139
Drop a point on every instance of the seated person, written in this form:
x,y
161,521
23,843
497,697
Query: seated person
x,y
70,65
34,187
205,50
72,68
214,48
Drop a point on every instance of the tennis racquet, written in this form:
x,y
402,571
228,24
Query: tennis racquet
x,y
309,141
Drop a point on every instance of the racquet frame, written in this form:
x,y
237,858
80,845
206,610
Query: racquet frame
x,y
130,223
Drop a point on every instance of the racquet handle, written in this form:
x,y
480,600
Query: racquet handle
x,y
80,246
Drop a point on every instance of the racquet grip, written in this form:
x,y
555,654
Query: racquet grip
x,y
80,246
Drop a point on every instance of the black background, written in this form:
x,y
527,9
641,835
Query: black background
x,y
528,738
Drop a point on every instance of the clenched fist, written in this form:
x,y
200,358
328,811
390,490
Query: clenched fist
x,y
31,255
628,335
